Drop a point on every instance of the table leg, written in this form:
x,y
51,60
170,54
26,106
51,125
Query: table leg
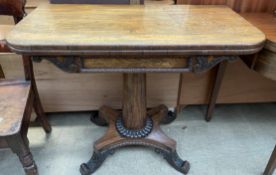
x,y
134,126
215,90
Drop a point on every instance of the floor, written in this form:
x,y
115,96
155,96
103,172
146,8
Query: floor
x,y
238,141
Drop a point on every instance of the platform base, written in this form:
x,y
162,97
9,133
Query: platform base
x,y
113,140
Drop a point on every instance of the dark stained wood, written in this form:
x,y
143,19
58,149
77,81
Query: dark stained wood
x,y
13,8
171,38
112,141
134,103
113,136
219,74
19,146
271,164
2,75
29,75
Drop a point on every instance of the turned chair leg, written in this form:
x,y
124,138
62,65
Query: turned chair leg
x,y
271,164
215,90
21,148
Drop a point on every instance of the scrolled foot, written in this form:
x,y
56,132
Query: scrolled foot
x,y
96,119
29,165
175,161
169,118
95,162
31,170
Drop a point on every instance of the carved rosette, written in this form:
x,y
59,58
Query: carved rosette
x,y
125,132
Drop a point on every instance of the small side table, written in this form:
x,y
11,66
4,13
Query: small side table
x,y
134,40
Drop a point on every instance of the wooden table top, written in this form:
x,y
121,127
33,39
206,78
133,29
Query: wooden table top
x,y
266,22
139,30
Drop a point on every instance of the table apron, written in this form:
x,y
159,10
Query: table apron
x,y
76,64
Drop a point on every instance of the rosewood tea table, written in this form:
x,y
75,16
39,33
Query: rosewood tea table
x,y
134,40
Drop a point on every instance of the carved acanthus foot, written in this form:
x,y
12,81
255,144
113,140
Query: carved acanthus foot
x,y
175,161
95,162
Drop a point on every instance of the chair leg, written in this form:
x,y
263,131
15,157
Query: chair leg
x,y
41,114
271,164
215,90
29,75
2,75
19,147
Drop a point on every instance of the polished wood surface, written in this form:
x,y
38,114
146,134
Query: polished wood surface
x,y
170,30
266,22
134,101
13,101
237,5
265,63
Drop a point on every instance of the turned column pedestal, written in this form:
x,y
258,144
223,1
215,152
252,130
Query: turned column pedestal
x,y
134,126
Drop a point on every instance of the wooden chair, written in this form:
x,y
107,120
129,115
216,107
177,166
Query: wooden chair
x,y
264,62
18,98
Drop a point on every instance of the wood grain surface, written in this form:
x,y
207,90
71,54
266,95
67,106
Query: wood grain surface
x,y
265,63
13,100
107,30
266,22
61,91
237,5
178,62
134,101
